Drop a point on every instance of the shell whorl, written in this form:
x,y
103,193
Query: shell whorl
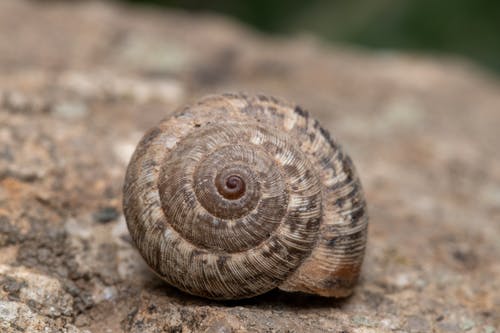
x,y
236,195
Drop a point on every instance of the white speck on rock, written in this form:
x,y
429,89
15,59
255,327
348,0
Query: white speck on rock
x,y
124,150
44,290
467,324
102,293
70,109
78,228
109,293
417,324
390,323
8,312
19,315
402,280
489,329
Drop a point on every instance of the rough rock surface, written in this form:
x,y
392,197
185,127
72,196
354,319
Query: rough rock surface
x,y
81,81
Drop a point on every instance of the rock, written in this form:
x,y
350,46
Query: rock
x,y
70,110
15,316
41,292
106,214
417,324
423,133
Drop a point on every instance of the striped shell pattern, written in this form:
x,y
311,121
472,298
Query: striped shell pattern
x,y
235,195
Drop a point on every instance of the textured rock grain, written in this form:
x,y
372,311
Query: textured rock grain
x,y
81,81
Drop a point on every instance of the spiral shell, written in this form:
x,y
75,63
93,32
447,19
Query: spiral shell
x,y
236,195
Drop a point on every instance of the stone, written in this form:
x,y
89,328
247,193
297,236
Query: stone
x,y
106,214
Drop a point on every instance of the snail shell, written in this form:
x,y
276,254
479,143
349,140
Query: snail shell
x,y
236,195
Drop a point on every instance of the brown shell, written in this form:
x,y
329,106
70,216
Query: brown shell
x,y
236,195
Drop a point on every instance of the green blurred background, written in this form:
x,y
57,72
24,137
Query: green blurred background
x,y
470,28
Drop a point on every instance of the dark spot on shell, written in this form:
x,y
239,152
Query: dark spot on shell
x,y
275,246
331,242
291,170
221,262
234,95
339,202
263,98
326,161
306,178
195,253
347,242
274,100
312,223
356,215
327,136
303,113
149,164
352,239
316,124
356,235
348,167
150,136
296,218
292,222
311,203
152,308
